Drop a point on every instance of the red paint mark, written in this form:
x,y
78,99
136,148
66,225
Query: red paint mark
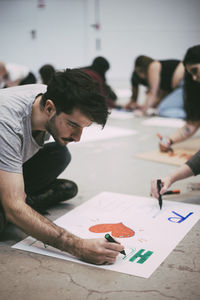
x,y
186,156
181,155
117,230
171,154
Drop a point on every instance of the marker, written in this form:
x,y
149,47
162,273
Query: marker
x,y
110,239
159,186
161,138
172,192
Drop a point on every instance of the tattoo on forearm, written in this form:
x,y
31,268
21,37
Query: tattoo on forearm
x,y
187,130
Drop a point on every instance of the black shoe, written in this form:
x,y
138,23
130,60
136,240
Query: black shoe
x,y
3,221
60,190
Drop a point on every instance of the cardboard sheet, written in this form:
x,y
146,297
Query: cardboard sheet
x,y
182,152
178,157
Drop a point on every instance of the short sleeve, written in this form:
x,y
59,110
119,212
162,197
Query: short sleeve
x,y
11,144
194,163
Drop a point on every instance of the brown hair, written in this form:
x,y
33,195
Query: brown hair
x,y
142,62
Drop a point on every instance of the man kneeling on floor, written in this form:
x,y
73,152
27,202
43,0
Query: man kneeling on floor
x,y
29,168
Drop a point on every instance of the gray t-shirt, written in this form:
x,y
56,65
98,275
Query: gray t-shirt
x,y
17,144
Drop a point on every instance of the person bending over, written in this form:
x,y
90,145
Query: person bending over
x,y
162,78
29,168
191,100
97,70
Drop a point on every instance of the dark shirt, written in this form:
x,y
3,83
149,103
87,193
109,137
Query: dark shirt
x,y
167,70
194,163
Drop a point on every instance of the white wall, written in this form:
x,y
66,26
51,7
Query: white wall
x,y
158,28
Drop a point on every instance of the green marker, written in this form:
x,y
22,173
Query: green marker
x,y
110,239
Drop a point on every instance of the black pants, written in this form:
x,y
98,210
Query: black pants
x,y
44,167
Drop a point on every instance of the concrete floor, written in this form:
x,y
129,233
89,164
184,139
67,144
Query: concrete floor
x,y
105,166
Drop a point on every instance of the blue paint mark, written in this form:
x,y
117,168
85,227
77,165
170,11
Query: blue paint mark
x,y
179,218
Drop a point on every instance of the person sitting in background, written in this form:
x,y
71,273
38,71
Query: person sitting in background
x,y
97,70
163,81
46,72
14,74
191,100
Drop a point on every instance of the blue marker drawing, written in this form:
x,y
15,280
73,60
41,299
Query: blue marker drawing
x,y
179,218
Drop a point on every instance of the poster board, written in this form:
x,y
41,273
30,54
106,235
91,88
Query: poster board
x,y
147,233
164,122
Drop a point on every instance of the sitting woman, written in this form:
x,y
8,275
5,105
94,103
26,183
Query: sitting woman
x,y
163,80
97,70
191,100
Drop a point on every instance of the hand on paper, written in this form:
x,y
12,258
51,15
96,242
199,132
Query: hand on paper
x,y
99,251
166,182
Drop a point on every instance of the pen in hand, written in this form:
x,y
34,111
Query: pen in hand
x,y
164,140
159,186
110,239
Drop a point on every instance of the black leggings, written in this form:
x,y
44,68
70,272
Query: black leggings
x,y
44,167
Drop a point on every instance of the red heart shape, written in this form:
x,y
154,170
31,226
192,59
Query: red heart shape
x,y
117,230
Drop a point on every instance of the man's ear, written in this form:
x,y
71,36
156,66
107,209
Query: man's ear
x,y
50,108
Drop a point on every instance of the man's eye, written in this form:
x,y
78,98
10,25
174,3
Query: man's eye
x,y
71,125
194,71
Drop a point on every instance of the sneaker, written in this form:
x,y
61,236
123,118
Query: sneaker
x,y
3,221
60,190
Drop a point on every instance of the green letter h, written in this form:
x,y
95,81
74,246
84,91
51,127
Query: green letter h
x,y
143,257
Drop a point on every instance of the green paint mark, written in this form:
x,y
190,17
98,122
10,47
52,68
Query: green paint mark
x,y
143,257
129,254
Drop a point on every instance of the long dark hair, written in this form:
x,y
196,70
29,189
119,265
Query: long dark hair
x,y
191,87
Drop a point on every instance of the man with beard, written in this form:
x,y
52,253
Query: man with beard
x,y
29,168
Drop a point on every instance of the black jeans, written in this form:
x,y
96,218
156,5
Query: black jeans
x,y
44,167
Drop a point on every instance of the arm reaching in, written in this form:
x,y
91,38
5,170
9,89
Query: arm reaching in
x,y
183,172
97,251
153,77
180,135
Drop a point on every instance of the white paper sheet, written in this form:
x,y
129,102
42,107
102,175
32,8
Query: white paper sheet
x,y
164,122
96,133
156,232
121,114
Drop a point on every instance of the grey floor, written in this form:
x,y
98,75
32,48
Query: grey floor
x,y
107,165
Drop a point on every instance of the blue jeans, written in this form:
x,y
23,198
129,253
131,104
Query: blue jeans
x,y
172,106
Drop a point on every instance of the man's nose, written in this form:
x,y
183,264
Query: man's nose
x,y
194,77
77,134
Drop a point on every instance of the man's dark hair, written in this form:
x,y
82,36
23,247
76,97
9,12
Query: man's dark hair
x,y
74,89
191,87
